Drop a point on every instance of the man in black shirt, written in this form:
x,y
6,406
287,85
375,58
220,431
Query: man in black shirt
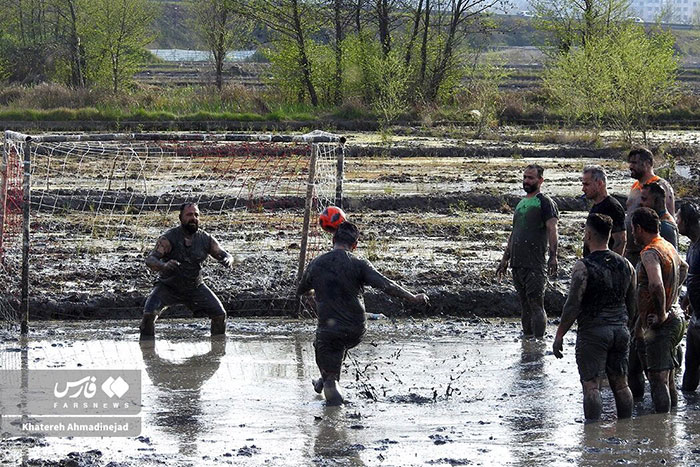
x,y
178,257
338,279
688,217
594,183
601,299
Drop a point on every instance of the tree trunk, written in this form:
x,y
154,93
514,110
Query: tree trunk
x,y
338,94
414,32
76,56
383,22
303,59
424,46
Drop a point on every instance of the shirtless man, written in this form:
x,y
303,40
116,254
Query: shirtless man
x,y
658,328
641,165
654,197
338,279
601,299
178,257
534,233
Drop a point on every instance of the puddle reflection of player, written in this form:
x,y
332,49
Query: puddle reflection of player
x,y
178,257
179,406
331,440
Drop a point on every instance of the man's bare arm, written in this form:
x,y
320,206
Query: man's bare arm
x,y
503,265
572,307
619,242
553,239
220,254
650,262
155,262
631,297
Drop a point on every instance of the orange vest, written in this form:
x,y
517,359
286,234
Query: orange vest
x,y
638,186
669,262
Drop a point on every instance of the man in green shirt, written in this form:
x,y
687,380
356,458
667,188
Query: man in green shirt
x,y
534,233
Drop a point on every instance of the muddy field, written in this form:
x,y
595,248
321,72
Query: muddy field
x,y
435,213
421,392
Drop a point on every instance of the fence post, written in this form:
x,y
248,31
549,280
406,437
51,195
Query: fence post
x,y
26,201
3,198
310,185
339,174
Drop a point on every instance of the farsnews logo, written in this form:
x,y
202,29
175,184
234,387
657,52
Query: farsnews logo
x,y
87,388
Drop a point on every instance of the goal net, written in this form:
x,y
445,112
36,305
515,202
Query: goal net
x,y
98,203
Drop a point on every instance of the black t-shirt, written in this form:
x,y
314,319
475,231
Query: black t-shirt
x,y
610,207
338,279
693,281
529,237
189,274
604,301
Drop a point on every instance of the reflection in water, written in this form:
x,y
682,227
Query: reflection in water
x,y
528,412
331,441
180,387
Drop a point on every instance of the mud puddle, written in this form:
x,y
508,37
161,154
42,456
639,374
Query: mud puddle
x,y
421,392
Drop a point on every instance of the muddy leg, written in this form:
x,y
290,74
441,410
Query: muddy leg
x,y
526,315
660,395
151,310
623,395
331,391
636,376
592,403
538,317
691,376
672,392
218,325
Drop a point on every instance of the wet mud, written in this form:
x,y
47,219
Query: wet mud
x,y
419,391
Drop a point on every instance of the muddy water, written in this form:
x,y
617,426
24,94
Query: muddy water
x,y
421,392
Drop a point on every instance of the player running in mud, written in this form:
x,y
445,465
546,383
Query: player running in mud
x,y
178,257
601,300
658,328
688,217
338,278
534,227
595,188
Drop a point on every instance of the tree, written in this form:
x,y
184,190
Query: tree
x,y
116,32
573,23
219,27
624,77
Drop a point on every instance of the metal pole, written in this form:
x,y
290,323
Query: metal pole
x,y
339,174
307,211
26,201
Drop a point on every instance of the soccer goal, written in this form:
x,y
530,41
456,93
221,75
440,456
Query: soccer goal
x,y
79,214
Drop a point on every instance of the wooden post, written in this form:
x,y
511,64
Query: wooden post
x,y
3,198
307,214
339,174
26,201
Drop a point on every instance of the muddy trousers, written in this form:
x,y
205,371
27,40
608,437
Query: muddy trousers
x,y
691,375
331,348
530,284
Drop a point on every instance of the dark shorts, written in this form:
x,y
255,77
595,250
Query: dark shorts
x,y
200,300
331,348
602,350
658,347
530,283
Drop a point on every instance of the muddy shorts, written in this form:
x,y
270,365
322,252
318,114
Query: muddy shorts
x,y
530,283
658,348
201,300
332,347
602,350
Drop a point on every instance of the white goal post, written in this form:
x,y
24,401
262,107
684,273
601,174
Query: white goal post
x,y
79,212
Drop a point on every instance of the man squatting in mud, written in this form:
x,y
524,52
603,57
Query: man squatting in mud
x,y
594,186
658,329
601,299
534,227
688,217
178,257
338,278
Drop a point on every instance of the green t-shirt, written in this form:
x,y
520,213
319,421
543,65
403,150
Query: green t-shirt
x,y
529,242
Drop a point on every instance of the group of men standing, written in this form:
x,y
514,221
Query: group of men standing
x,y
622,291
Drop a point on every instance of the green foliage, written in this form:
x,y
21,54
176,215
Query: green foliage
x,y
623,77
